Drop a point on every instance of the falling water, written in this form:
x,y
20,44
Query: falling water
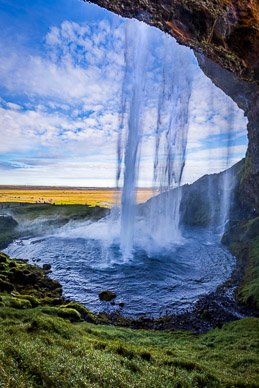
x,y
220,204
138,58
227,176
171,142
171,135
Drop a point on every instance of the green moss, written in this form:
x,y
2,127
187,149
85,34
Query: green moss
x,y
70,314
248,292
84,312
34,301
5,285
39,349
63,312
3,258
28,282
19,303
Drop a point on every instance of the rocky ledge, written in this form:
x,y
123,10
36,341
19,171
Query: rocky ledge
x,y
226,31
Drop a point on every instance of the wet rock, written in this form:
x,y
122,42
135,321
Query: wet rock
x,y
121,304
107,295
46,267
206,315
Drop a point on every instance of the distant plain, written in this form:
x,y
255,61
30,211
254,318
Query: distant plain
x,y
105,197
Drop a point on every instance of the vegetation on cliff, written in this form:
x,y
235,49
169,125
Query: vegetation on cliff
x,y
34,219
243,241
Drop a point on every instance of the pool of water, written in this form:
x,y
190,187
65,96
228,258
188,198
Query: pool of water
x,y
86,261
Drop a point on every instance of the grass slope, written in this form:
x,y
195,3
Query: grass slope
x,y
40,349
45,342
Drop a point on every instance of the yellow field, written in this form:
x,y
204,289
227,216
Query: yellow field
x,y
92,197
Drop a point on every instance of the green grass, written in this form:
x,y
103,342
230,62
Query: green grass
x,y
34,219
248,292
42,350
34,211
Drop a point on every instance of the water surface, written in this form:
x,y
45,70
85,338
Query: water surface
x,y
151,281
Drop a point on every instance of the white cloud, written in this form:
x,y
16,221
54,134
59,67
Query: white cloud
x,y
71,101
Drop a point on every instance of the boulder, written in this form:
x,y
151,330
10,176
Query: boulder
x,y
107,295
46,267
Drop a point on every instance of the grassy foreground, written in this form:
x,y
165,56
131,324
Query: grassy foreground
x,y
46,342
39,349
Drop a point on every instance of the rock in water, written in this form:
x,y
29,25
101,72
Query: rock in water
x,y
46,267
107,295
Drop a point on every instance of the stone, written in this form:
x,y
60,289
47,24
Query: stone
x,y
46,267
107,295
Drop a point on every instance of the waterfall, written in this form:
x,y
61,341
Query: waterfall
x,y
221,202
171,134
134,128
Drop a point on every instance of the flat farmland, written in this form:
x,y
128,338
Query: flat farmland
x,y
104,197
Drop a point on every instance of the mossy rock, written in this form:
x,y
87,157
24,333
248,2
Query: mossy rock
x,y
242,232
34,301
26,279
66,313
3,258
51,301
69,313
247,254
107,295
19,303
5,286
83,311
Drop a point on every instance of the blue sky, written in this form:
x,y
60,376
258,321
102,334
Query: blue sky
x,y
61,73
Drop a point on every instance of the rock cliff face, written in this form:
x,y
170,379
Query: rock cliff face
x,y
226,31
246,96
201,200
222,32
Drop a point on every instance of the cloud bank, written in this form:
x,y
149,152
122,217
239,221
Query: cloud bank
x,y
59,111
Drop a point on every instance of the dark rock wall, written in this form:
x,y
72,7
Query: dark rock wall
x,y
246,96
201,200
227,32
